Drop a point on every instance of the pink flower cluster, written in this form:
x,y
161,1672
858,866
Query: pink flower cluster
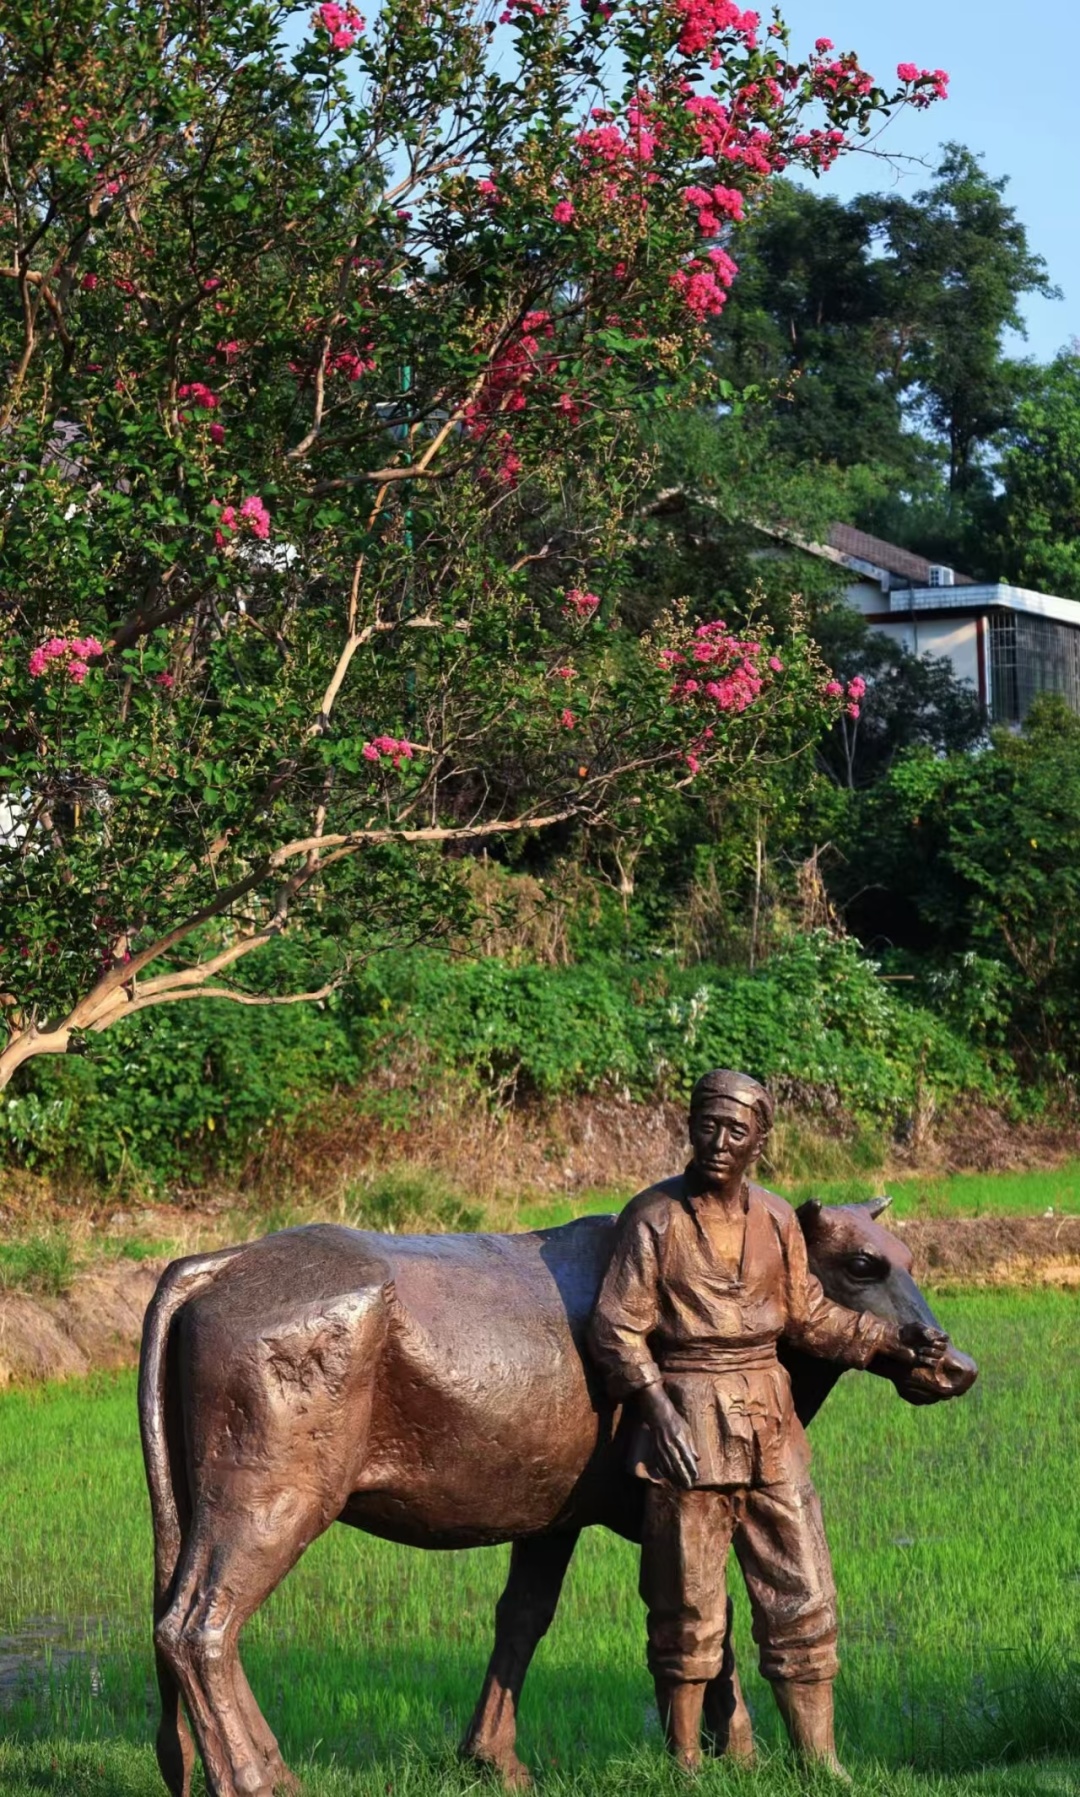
x,y
396,748
563,212
519,363
197,393
606,145
564,673
725,138
351,363
71,654
77,139
856,690
535,7
342,24
703,21
714,205
842,75
704,285
252,515
820,148
580,605
722,670
509,471
616,154
934,79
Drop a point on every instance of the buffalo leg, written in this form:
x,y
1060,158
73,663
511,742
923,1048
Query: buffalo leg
x,y
262,1736
174,1746
523,1616
728,1730
232,1560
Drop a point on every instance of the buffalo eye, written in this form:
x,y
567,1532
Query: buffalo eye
x,y
863,1266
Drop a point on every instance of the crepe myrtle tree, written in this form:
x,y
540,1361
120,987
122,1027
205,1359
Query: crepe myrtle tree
x,y
320,367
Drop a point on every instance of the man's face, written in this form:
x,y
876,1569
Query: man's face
x,y
725,1138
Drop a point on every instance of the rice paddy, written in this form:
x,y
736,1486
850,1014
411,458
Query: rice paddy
x,y
956,1539
1029,1193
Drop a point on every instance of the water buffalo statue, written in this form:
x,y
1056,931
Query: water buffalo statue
x,y
429,1389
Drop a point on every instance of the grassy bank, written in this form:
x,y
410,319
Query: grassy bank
x,y
1027,1194
44,1261
954,1532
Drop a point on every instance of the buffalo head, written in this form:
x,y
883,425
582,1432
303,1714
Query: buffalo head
x,y
865,1267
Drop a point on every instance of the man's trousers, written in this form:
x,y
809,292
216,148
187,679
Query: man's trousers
x,y
780,1544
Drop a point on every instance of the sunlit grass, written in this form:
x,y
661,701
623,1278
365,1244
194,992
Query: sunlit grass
x,y
1029,1194
954,1532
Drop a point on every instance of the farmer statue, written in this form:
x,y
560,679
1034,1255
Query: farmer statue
x,y
707,1273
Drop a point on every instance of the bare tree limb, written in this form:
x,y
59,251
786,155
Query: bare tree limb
x,y
146,1003
118,993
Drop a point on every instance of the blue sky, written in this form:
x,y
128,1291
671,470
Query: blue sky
x,y
1013,98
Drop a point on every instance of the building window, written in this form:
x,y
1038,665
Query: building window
x,y
1029,656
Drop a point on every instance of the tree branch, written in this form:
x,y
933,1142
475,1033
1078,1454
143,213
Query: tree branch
x,y
145,1001
117,994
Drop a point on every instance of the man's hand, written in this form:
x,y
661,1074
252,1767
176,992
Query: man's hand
x,y
922,1345
675,1455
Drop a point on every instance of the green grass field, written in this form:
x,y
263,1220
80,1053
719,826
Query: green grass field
x,y
1026,1194
956,1536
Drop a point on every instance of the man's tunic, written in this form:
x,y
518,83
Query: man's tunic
x,y
672,1307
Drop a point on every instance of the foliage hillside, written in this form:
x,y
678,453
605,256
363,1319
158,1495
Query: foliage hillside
x,y
194,1089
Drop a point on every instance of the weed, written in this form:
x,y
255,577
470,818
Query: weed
x,y
397,1199
42,1264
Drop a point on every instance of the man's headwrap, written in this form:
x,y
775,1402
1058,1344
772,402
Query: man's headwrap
x,y
740,1088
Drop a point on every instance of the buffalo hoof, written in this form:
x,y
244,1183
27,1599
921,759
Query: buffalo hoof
x,y
511,1773
515,1775
272,1779
833,1767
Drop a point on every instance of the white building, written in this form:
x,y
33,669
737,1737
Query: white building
x,y
1006,642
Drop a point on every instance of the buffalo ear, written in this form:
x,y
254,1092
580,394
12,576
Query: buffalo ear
x,y
876,1205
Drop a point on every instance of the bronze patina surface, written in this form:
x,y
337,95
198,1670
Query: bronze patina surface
x,y
433,1390
706,1276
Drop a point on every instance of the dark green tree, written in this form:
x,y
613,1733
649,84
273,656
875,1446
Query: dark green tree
x,y
959,264
974,860
875,333
1039,534
811,326
722,513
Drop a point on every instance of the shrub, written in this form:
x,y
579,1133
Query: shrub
x,y
189,1089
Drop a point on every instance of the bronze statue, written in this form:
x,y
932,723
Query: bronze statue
x,y
706,1275
432,1390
